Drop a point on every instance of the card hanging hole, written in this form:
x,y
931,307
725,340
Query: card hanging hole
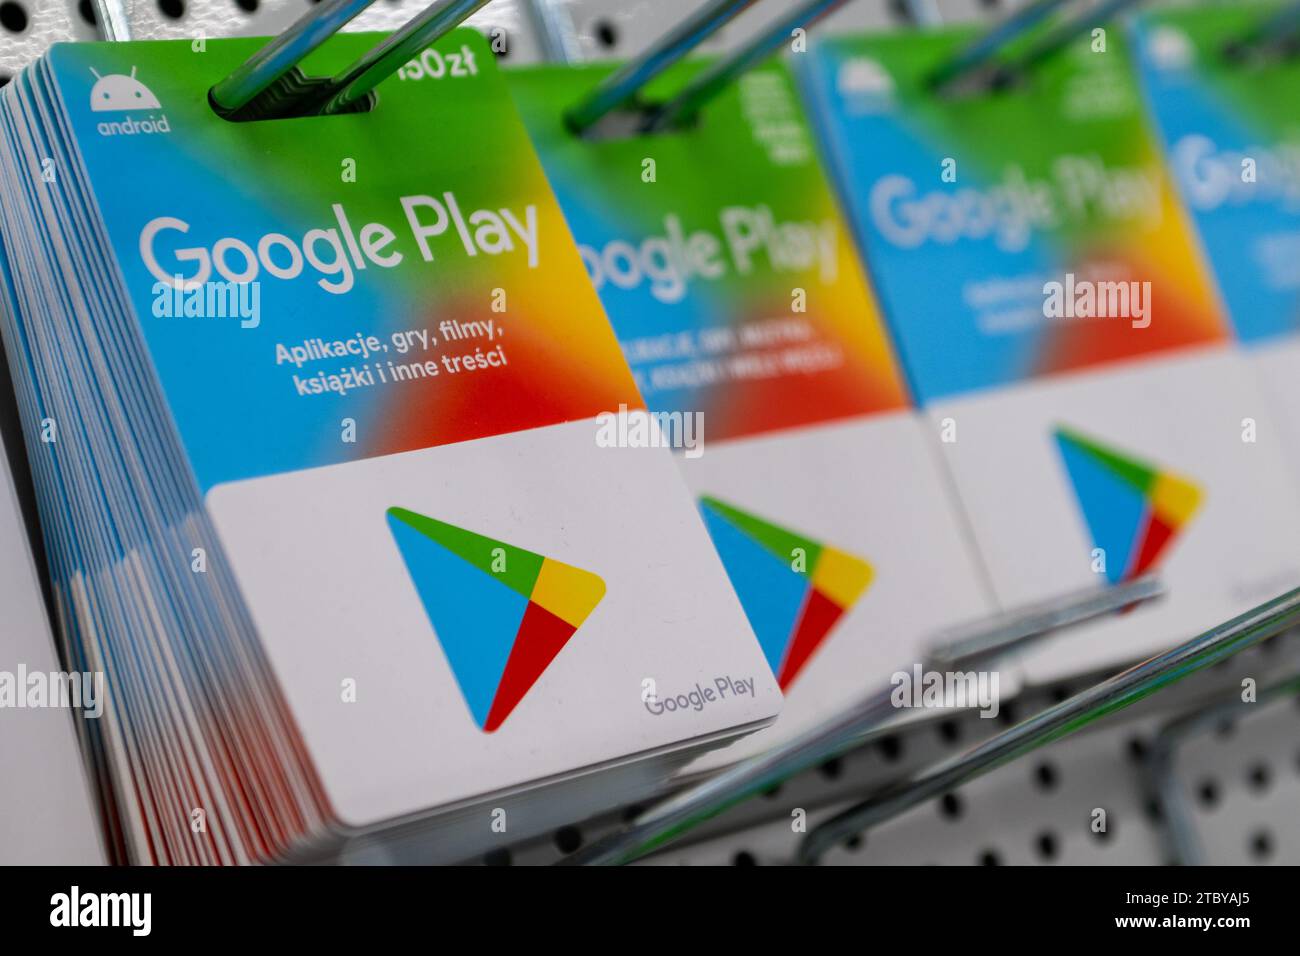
x,y
1246,54
630,122
992,81
293,96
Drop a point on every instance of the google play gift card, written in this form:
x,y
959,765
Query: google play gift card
x,y
737,296
1061,329
1231,141
382,369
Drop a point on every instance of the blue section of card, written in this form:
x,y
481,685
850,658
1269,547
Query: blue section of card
x,y
887,169
1250,230
475,617
1114,510
771,593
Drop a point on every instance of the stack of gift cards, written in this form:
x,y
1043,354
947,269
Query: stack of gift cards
x,y
1227,114
733,283
319,413
1063,333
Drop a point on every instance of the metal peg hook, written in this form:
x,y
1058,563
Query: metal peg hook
x,y
276,62
976,645
113,22
685,106
1276,35
556,31
979,57
622,86
1178,822
1060,720
981,50
1062,37
284,52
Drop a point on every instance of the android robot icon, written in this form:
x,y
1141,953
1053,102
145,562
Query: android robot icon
x,y
118,91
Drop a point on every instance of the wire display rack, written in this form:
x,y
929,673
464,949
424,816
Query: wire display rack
x,y
1237,784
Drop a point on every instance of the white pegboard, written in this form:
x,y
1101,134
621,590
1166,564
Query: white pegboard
x,y
602,28
28,27
1242,781
50,21
605,29
1243,786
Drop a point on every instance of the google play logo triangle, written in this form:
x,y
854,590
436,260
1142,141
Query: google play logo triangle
x,y
501,613
794,590
1133,510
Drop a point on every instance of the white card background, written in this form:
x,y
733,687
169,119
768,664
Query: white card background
x,y
1182,414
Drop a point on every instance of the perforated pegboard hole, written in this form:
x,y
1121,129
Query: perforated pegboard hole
x,y
1261,845
891,747
951,806
949,731
172,9
13,16
606,34
1047,846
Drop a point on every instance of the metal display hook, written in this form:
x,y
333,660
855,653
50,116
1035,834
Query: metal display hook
x,y
975,646
1276,36
622,88
982,49
270,84
1060,720
685,106
976,67
113,22
1178,829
